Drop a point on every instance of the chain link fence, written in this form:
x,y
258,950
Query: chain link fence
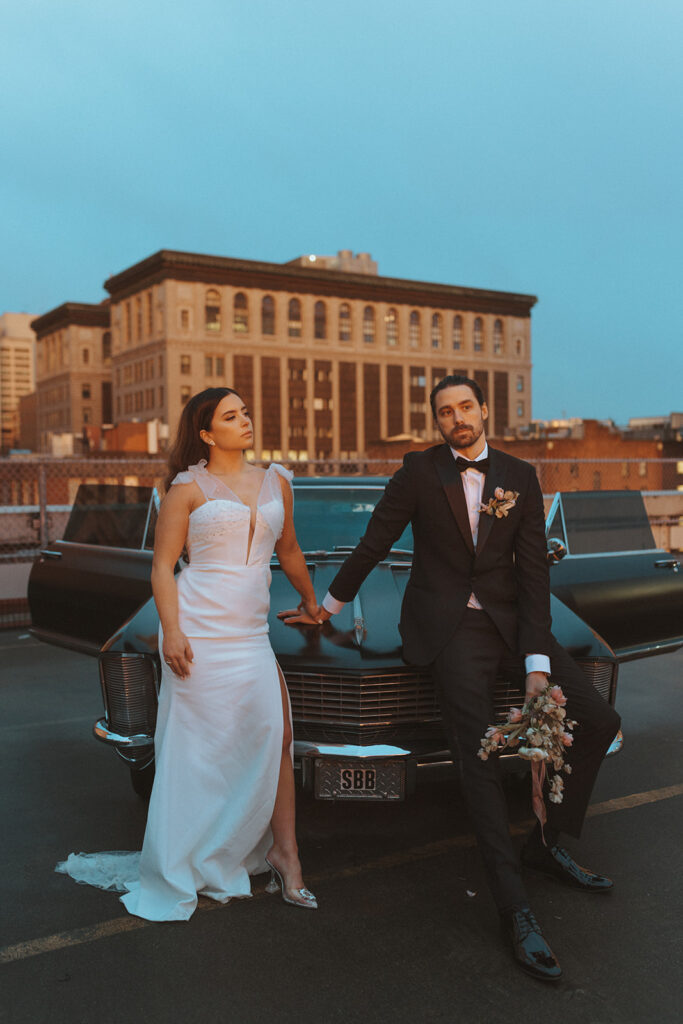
x,y
36,495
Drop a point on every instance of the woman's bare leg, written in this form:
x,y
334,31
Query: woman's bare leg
x,y
284,853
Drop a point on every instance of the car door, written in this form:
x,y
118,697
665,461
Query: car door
x,y
613,576
82,588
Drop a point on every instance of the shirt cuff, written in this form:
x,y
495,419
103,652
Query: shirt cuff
x,y
331,604
537,663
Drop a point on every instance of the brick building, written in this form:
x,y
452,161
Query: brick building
x,y
329,355
73,376
585,455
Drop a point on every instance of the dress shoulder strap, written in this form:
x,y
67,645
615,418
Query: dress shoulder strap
x,y
281,471
272,488
183,478
197,474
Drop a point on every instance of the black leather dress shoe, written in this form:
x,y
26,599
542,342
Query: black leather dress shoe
x,y
531,951
556,862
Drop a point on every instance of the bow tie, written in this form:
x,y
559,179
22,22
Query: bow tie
x,y
481,466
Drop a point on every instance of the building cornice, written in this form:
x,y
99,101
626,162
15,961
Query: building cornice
x,y
223,270
84,314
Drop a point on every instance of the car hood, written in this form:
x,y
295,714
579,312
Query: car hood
x,y
363,637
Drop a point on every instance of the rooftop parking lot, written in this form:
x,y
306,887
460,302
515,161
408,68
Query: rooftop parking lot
x,y
406,931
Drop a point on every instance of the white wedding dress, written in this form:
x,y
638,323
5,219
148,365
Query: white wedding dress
x,y
218,740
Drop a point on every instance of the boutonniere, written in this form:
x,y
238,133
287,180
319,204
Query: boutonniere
x,y
500,504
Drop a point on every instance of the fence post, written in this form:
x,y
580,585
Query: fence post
x,y
42,502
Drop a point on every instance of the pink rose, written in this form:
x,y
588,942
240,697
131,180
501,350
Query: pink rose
x,y
557,695
514,715
567,739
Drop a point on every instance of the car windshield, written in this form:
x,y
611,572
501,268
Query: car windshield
x,y
329,515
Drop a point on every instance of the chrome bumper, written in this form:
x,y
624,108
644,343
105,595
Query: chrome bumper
x,y
616,744
307,751
102,732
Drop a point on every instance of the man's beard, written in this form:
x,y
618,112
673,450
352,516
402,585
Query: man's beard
x,y
464,436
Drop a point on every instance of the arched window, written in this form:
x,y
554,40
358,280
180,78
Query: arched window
x,y
457,333
267,315
240,314
345,322
212,310
414,330
294,319
391,320
320,320
479,335
368,325
437,330
498,345
519,346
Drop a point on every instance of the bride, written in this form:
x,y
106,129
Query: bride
x,y
222,805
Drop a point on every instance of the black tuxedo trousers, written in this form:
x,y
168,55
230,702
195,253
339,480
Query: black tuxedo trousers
x,y
464,674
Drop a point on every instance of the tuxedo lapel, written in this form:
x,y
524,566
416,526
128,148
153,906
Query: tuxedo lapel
x,y
494,478
451,482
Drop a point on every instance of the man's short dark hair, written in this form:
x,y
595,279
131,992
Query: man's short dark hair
x,y
455,380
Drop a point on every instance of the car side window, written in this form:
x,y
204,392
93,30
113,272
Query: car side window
x,y
109,515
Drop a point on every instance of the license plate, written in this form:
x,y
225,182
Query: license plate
x,y
365,780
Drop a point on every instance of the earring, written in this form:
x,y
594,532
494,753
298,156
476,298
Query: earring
x,y
212,443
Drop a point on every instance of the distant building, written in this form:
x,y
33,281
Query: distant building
x,y
28,422
580,455
328,355
666,428
73,377
17,372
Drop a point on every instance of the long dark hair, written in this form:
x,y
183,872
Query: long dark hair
x,y
188,447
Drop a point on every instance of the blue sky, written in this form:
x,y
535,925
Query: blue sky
x,y
533,146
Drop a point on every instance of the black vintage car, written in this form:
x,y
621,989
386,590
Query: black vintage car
x,y
364,721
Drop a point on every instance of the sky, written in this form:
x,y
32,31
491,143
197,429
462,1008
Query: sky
x,y
534,146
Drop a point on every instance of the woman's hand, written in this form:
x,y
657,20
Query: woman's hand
x,y
177,653
307,613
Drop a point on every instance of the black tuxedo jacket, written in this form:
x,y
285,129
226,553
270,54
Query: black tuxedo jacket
x,y
508,571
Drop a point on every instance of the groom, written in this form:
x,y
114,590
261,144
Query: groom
x,y
478,594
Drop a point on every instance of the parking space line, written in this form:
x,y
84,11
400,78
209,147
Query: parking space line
x,y
118,925
623,803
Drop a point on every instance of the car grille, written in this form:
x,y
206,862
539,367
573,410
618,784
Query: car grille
x,y
602,674
383,702
129,688
362,701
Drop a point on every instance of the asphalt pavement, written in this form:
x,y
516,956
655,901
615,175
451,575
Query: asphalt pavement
x,y
406,932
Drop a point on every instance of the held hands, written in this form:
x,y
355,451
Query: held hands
x,y
177,653
307,613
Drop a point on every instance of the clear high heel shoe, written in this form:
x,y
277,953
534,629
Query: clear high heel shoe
x,y
304,898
